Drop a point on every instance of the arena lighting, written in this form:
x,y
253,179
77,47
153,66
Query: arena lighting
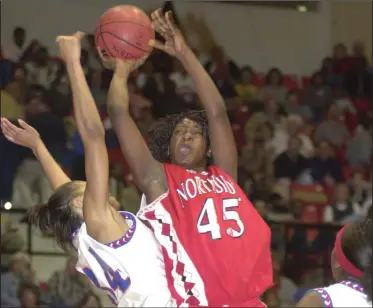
x,y
302,8
7,206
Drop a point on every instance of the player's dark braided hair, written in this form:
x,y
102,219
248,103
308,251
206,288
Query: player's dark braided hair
x,y
160,133
357,247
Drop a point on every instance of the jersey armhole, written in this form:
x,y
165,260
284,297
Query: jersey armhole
x,y
324,296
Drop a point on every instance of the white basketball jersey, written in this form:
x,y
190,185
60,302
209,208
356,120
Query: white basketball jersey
x,y
344,294
130,270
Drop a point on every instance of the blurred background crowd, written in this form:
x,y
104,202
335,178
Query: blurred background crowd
x,y
305,153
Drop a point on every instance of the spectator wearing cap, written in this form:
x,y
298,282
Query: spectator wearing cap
x,y
19,272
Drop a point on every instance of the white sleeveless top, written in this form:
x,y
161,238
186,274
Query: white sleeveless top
x,y
344,294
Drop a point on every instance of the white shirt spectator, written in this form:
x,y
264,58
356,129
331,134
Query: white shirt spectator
x,y
12,52
328,216
184,85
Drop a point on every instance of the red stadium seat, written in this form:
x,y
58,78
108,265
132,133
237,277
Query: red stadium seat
x,y
362,104
290,82
305,81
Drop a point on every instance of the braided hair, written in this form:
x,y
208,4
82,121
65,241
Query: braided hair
x,y
161,132
357,247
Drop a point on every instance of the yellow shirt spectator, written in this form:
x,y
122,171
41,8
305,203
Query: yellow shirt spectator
x,y
245,89
10,108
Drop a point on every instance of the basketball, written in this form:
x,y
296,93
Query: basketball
x,y
124,32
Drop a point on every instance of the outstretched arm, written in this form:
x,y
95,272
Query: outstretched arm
x,y
222,140
101,220
148,173
27,136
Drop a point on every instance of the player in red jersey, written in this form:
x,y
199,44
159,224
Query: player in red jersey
x,y
216,246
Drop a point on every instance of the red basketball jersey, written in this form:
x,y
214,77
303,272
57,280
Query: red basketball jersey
x,y
215,244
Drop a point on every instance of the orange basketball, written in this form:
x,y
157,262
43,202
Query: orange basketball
x,y
124,32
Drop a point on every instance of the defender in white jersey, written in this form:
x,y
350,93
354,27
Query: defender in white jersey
x,y
116,251
352,269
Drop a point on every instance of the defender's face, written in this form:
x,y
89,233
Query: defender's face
x,y
188,145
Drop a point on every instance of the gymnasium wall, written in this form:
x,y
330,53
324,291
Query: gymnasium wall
x,y
259,36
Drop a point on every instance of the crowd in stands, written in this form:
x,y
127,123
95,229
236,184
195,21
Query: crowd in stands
x,y
305,149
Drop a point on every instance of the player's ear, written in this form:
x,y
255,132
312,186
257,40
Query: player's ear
x,y
77,202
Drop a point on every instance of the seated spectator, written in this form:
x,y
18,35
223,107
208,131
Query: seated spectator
x,y
330,77
52,132
18,49
341,207
20,272
360,147
95,84
332,129
91,300
361,191
292,106
12,239
273,88
317,96
280,139
10,108
183,82
67,287
40,70
29,296
325,168
291,164
17,85
245,88
343,102
341,61
221,67
358,81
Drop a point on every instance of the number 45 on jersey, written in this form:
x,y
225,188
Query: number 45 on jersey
x,y
208,221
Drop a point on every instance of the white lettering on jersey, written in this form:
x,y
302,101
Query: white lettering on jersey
x,y
195,186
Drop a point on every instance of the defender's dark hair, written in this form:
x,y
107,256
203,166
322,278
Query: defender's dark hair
x,y
58,217
357,247
161,132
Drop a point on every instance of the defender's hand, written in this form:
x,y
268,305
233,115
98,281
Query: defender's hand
x,y
25,136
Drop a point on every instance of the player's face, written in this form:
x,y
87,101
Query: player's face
x,y
188,145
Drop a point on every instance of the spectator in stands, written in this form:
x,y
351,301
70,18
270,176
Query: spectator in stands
x,y
145,72
221,68
29,296
358,51
317,96
12,239
341,60
10,108
330,77
91,300
292,127
67,286
332,129
94,62
95,84
20,272
291,164
342,207
245,88
360,147
40,70
361,191
273,88
17,85
325,168
18,49
292,106
52,133
183,82
358,81
342,100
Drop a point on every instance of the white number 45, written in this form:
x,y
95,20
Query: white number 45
x,y
208,219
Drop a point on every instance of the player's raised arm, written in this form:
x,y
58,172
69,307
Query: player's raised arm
x,y
223,146
27,136
148,173
100,218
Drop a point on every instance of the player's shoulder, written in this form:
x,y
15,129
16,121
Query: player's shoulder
x,y
314,298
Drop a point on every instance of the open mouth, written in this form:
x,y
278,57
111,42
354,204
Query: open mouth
x,y
185,149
